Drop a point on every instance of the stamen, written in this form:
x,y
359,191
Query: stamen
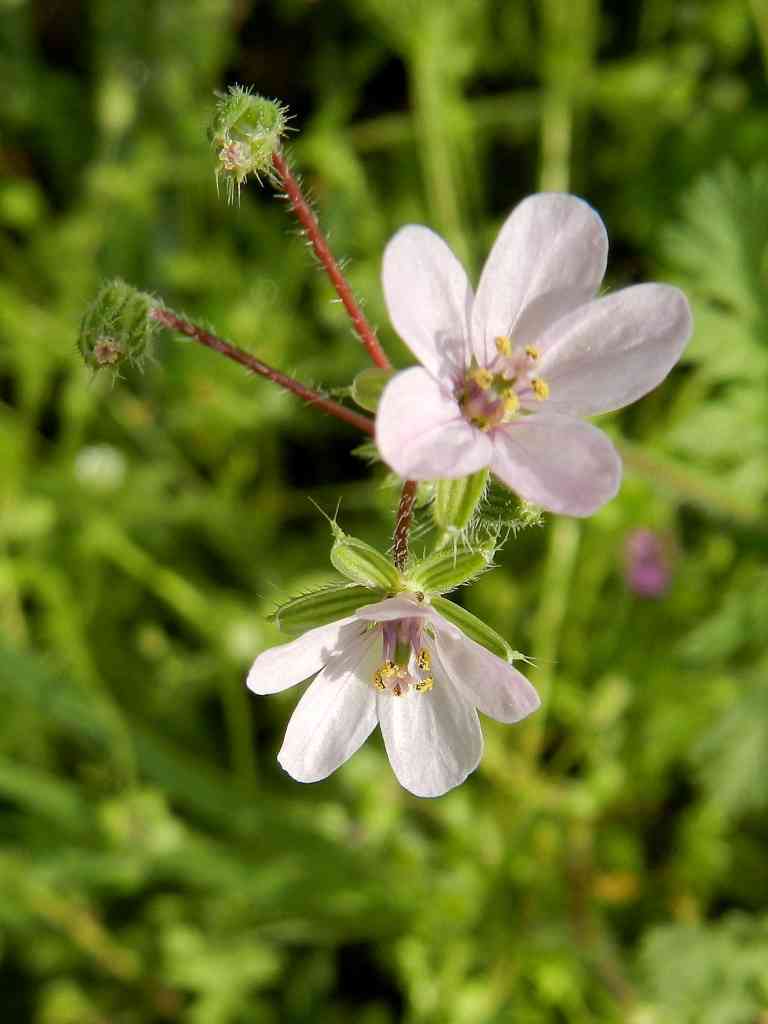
x,y
424,685
503,345
424,660
532,352
511,402
397,690
378,682
540,388
482,377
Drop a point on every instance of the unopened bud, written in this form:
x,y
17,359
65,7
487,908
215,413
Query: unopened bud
x,y
245,133
450,568
473,627
319,607
116,327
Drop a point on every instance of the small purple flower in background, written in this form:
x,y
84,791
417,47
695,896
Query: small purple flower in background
x,y
508,372
647,561
399,664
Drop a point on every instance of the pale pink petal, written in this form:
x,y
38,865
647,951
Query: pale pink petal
x,y
433,739
493,685
395,608
613,350
336,714
428,299
421,432
283,666
549,258
562,464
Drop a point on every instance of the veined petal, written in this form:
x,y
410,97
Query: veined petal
x,y
428,299
612,351
433,739
421,432
493,685
549,257
283,666
557,462
336,714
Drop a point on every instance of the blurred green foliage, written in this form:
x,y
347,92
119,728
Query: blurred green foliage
x,y
607,862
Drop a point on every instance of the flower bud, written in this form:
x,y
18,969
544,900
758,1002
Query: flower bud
x,y
245,132
473,627
116,327
456,500
368,386
363,564
319,607
449,568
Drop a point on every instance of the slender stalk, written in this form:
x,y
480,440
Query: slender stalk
x,y
322,250
238,355
403,524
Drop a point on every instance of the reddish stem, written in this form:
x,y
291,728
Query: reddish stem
x,y
322,250
225,348
403,524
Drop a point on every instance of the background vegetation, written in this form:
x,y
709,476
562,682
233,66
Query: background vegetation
x,y
607,862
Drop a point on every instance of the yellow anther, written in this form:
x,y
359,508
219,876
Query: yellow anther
x,y
424,660
532,352
511,402
482,377
378,682
503,345
540,388
388,669
425,685
397,690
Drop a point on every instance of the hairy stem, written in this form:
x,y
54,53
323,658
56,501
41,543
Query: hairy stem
x,y
238,355
403,524
322,250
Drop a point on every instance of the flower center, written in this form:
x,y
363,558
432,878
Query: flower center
x,y
407,662
495,394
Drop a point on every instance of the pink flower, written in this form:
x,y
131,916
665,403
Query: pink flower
x,y
507,371
401,665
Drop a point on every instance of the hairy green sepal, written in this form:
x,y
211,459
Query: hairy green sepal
x,y
363,564
319,607
473,627
456,500
450,567
368,386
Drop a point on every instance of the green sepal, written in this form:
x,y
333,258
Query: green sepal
x,y
319,607
368,386
450,567
363,564
500,507
456,500
473,627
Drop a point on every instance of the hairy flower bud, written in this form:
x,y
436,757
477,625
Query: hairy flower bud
x,y
116,327
245,132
